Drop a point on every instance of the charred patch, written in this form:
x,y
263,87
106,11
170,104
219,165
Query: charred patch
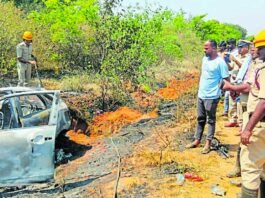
x,y
67,150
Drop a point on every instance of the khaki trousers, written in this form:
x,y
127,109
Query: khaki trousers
x,y
24,74
232,110
252,156
242,107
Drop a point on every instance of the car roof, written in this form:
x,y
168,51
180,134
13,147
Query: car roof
x,y
20,89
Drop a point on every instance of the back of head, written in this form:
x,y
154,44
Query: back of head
x,y
231,41
222,44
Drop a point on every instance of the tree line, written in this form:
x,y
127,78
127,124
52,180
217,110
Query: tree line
x,y
115,44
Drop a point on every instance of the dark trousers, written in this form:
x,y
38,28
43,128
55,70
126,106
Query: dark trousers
x,y
206,111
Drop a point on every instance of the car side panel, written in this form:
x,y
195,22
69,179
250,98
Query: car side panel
x,y
27,155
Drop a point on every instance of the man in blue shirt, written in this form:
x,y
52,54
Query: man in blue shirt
x,y
214,70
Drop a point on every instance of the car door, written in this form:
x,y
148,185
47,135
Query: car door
x,y
27,153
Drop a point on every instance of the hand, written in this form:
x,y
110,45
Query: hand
x,y
234,95
232,58
245,136
226,85
32,62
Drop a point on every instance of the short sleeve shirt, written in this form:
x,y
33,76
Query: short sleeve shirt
x,y
252,70
213,71
256,92
261,81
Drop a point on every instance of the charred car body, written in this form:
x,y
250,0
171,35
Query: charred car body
x,y
30,121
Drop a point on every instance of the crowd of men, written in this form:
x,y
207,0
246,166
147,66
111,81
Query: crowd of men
x,y
237,69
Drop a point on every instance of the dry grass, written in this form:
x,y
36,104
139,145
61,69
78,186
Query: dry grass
x,y
78,83
164,72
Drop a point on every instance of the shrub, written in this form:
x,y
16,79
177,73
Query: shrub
x,y
11,22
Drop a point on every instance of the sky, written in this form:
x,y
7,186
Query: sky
x,y
249,14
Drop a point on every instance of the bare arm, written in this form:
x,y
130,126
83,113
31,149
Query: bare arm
x,y
232,58
230,66
22,60
238,63
242,88
258,114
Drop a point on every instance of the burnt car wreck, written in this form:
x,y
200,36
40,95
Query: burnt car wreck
x,y
30,121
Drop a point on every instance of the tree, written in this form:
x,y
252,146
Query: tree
x,y
27,5
213,29
241,29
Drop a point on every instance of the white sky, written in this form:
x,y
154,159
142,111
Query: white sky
x,y
250,14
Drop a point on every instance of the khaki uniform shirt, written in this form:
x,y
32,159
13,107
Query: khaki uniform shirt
x,y
256,93
235,67
25,52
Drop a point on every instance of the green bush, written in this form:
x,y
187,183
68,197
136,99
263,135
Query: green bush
x,y
123,46
117,47
177,40
69,31
11,22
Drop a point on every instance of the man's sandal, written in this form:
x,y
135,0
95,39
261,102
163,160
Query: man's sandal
x,y
205,150
234,173
191,145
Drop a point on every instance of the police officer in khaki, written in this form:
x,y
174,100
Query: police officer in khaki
x,y
252,155
25,59
241,59
247,81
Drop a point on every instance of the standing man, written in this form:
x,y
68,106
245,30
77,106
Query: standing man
x,y
252,155
214,70
239,65
222,49
223,54
231,49
243,48
25,59
251,102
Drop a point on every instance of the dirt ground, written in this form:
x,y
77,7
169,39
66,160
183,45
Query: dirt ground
x,y
146,166
150,160
142,157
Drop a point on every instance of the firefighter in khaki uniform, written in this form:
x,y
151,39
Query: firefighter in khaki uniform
x,y
25,59
252,155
